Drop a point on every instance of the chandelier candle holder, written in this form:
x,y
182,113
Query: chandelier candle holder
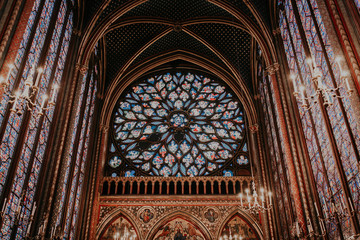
x,y
255,203
337,213
322,89
19,97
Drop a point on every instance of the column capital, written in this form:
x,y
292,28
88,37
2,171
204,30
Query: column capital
x,y
272,69
77,32
276,31
254,128
81,68
104,128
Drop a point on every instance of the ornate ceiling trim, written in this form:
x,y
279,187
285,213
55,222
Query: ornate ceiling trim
x,y
136,20
94,33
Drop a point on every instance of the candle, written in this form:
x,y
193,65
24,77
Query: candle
x,y
17,95
28,228
45,97
322,227
297,229
40,71
247,196
11,67
311,229
33,210
18,207
302,94
293,78
26,92
310,63
316,209
350,203
55,88
347,84
40,229
325,212
2,81
4,206
52,232
338,60
319,82
327,97
270,197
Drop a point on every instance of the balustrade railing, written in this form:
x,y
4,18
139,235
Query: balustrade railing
x,y
210,185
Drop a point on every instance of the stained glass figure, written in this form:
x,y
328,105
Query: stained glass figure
x,y
178,125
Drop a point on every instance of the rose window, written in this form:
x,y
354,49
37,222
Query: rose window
x,y
178,125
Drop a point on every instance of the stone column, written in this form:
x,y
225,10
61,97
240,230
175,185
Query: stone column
x,y
290,161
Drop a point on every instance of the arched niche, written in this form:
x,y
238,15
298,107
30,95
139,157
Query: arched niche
x,y
118,226
180,225
240,226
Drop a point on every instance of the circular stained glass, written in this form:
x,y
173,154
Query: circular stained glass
x,y
115,162
243,160
178,125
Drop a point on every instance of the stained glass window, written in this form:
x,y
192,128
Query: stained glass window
x,y
178,124
357,3
340,114
28,162
75,162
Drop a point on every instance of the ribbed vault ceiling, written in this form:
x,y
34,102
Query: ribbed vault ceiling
x,y
200,27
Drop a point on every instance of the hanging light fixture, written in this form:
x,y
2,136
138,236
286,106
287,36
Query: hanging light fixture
x,y
22,98
322,90
254,202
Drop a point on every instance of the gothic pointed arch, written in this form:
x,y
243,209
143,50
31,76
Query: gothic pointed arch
x,y
187,222
117,224
240,224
